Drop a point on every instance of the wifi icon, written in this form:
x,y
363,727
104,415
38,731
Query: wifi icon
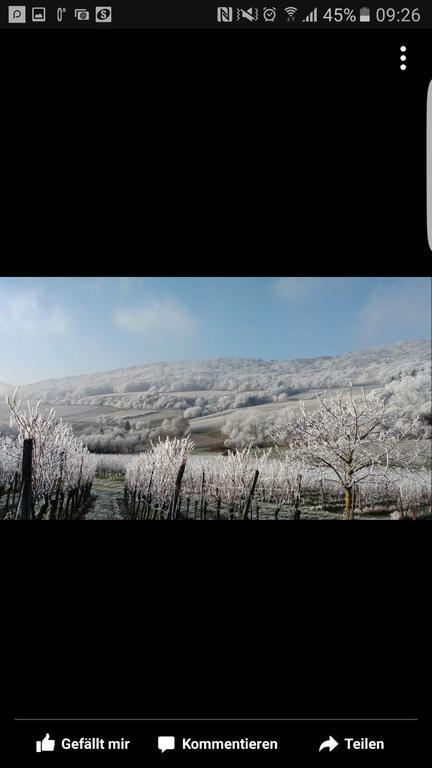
x,y
291,12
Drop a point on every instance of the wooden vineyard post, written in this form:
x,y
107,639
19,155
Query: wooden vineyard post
x,y
360,498
133,502
43,508
297,498
7,498
24,511
78,489
322,494
59,488
14,488
202,495
400,505
250,496
353,501
68,501
173,511
61,497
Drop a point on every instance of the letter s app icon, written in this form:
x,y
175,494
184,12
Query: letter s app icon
x,y
103,14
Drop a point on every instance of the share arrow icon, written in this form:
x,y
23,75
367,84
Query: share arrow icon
x,y
330,744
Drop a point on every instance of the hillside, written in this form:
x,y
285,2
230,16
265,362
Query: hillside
x,y
226,402
210,386
5,388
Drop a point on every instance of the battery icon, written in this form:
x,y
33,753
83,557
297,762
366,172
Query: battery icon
x,y
364,14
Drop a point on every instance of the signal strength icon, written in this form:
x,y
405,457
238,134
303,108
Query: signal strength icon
x,y
313,16
291,12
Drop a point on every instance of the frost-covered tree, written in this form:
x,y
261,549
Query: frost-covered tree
x,y
410,396
176,427
193,412
244,429
58,456
351,438
246,399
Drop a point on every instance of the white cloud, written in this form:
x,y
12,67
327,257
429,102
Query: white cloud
x,y
29,313
156,316
402,309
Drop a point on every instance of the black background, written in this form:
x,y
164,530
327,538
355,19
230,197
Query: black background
x,y
192,154
204,152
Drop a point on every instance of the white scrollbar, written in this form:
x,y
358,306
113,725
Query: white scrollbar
x,y
429,164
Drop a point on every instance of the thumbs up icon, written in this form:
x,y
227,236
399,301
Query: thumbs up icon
x,y
46,745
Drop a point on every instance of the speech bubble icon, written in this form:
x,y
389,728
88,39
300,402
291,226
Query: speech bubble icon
x,y
166,742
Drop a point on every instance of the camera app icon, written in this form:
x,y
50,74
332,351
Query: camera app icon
x,y
103,14
82,14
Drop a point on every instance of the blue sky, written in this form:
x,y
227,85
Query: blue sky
x,y
53,327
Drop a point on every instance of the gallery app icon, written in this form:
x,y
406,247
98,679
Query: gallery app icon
x,y
38,14
17,14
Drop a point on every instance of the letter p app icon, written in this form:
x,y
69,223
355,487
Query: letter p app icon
x,y
46,745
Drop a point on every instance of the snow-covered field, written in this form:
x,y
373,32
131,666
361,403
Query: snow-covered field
x,y
215,422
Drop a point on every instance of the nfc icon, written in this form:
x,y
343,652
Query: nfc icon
x,y
224,14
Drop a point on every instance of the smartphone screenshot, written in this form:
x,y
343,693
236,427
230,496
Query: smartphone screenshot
x,y
215,383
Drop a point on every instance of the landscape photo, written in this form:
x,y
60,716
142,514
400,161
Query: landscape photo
x,y
215,398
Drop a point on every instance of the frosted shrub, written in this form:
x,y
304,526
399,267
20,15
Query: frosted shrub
x,y
8,460
112,463
282,479
57,454
154,472
223,480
